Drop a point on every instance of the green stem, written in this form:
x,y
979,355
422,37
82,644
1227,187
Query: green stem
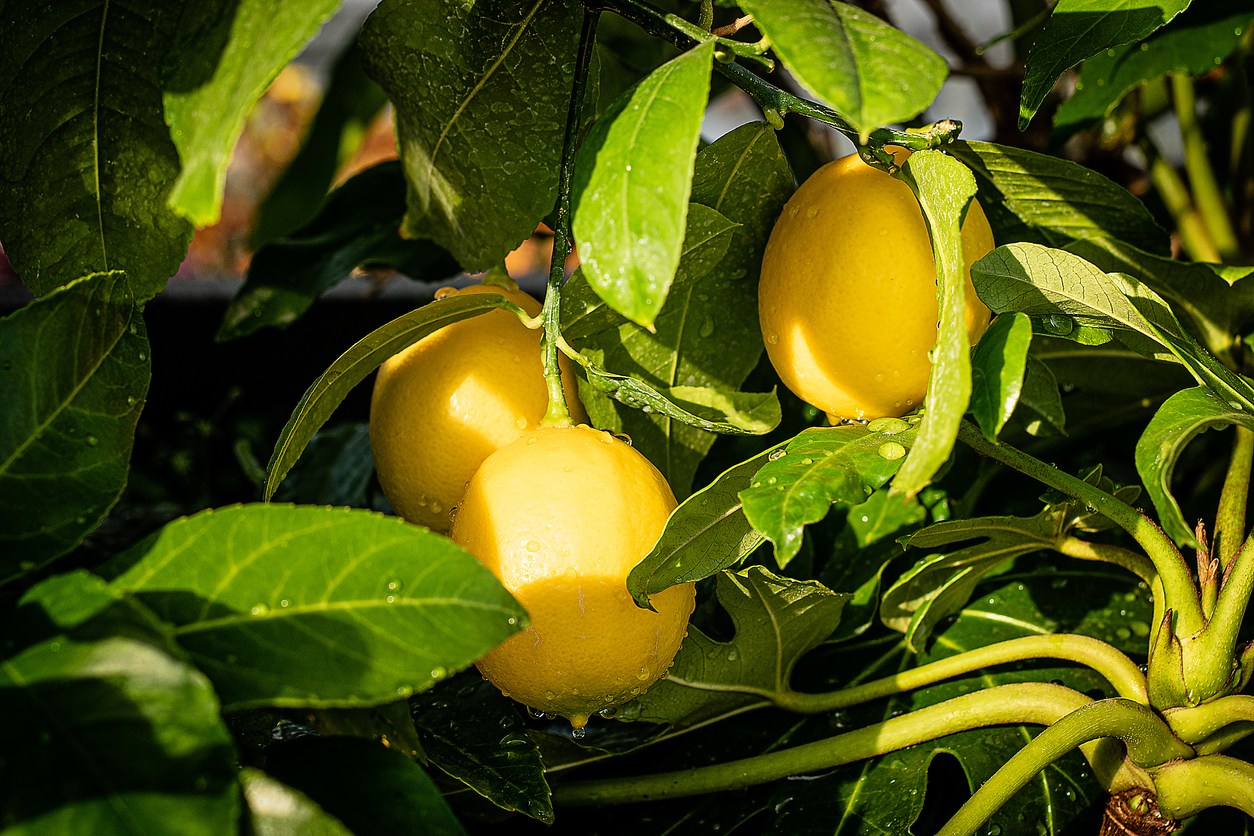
x,y
1180,592
1220,638
1117,668
1194,237
1186,788
776,103
1196,723
707,15
1225,738
1206,192
1148,739
1230,519
558,413
1035,703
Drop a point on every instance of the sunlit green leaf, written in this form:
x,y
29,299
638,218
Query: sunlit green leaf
x,y
998,369
481,93
300,605
1041,398
632,181
1078,29
278,810
870,72
74,371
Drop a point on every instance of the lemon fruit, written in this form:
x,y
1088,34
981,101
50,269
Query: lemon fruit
x,y
847,297
561,516
443,405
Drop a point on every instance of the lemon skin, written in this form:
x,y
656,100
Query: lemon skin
x,y
560,516
847,297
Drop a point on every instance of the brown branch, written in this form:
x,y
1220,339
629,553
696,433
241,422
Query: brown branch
x,y
733,27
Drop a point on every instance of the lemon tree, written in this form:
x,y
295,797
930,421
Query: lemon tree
x,y
825,446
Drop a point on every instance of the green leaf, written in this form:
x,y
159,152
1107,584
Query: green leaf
x,y
357,225
1035,197
224,56
473,732
335,469
1078,29
350,102
941,584
256,592
74,372
1070,292
870,72
352,367
112,737
1194,43
998,370
777,620
706,534
1183,417
370,788
862,551
276,809
1041,398
820,466
708,333
943,187
633,176
481,93
1211,308
87,162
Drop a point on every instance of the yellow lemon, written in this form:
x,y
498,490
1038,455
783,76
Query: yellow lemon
x,y
847,298
443,405
561,516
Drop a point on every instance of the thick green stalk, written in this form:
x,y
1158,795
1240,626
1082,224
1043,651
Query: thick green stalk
x,y
775,103
1206,193
558,413
1148,739
1180,592
1035,703
1186,788
1230,519
1196,723
1117,668
1221,633
1194,237
1225,738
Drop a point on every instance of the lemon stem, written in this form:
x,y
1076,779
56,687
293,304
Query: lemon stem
x,y
1018,704
558,413
1230,520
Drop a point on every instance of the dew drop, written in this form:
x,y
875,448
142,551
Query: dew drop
x,y
285,603
511,620
445,292
548,695
437,673
567,469
707,327
608,713
643,675
391,599
92,441
142,356
579,733
776,455
521,423
792,213
773,339
891,450
533,546
394,585
813,211
260,609
131,400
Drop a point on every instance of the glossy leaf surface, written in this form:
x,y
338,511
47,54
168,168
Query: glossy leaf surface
x,y
998,369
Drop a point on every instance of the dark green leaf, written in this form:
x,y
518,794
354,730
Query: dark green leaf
x,y
389,723
1177,422
1041,398
335,469
820,466
86,164
481,94
359,224
1078,29
1036,197
998,369
113,737
861,553
941,584
370,788
632,181
1213,308
307,606
351,368
350,102
777,620
707,533
1197,41
224,56
943,187
474,733
278,810
870,72
74,372
708,334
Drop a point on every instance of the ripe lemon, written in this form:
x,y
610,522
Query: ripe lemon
x,y
561,516
443,405
847,298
